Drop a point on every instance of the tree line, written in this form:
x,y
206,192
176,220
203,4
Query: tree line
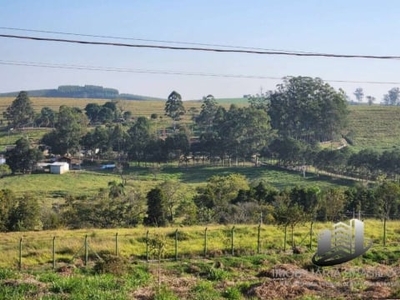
x,y
86,91
229,199
285,126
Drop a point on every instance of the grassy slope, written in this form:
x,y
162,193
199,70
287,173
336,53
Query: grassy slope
x,y
89,182
375,127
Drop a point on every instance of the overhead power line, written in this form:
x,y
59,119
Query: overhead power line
x,y
386,57
144,40
171,72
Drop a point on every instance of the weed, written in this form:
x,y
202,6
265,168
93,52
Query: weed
x,y
215,274
164,293
8,274
232,293
204,290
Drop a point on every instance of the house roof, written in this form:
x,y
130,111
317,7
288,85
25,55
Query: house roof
x,y
59,163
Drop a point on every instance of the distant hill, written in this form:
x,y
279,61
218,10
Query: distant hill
x,y
87,91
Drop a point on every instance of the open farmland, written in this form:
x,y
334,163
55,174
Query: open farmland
x,y
89,182
375,127
138,108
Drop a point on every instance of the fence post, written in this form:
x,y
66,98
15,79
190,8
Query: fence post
x,y
258,239
147,246
205,242
20,254
176,245
54,252
232,241
116,244
86,250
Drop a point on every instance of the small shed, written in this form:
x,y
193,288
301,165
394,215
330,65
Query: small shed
x,y
59,167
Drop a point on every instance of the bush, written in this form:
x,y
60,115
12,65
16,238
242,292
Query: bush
x,y
112,264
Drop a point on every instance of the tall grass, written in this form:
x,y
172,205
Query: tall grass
x,y
131,243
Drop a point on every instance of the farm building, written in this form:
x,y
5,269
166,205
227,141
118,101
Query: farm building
x,y
59,167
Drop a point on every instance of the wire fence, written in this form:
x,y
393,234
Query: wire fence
x,y
152,245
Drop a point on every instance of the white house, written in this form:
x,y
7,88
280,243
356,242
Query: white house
x,y
59,167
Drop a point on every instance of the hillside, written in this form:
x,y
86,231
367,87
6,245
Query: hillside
x,y
376,127
87,91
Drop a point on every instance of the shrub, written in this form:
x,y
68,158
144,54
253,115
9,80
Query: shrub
x,y
111,264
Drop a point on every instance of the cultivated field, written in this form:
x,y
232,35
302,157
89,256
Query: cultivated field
x,y
375,127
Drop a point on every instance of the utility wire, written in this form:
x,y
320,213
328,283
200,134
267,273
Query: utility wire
x,y
127,70
386,57
145,40
169,72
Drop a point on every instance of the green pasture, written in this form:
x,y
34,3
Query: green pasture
x,y
84,182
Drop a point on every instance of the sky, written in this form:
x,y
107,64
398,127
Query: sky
x,y
361,27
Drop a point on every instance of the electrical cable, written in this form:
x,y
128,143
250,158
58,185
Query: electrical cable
x,y
144,40
386,57
169,72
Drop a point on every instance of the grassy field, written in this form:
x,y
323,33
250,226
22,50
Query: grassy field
x,y
188,272
138,108
89,182
132,242
375,127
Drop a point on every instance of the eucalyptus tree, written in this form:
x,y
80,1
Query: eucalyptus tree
x,y
23,157
392,97
308,109
140,137
20,113
174,107
71,126
46,118
359,93
208,111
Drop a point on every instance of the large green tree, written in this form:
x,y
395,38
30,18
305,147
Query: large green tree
x,y
156,208
308,109
70,128
20,113
46,118
26,214
140,137
208,111
23,158
174,107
